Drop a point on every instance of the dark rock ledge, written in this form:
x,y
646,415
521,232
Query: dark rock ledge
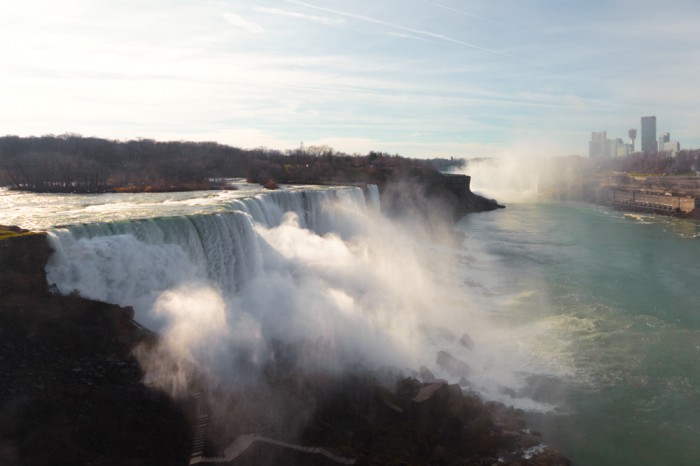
x,y
432,196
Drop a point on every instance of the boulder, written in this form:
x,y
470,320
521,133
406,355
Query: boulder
x,y
453,366
466,341
425,375
23,256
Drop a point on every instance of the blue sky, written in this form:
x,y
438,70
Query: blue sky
x,y
416,77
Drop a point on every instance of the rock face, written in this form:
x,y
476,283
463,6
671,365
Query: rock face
x,y
71,391
23,255
435,424
455,367
460,186
433,196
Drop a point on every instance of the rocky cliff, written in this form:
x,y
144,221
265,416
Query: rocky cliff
x,y
432,196
71,391
23,255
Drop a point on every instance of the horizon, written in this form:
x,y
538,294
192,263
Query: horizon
x,y
421,79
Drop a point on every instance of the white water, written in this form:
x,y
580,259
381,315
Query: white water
x,y
224,275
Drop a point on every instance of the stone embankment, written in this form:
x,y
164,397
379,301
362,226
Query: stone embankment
x,y
664,195
664,204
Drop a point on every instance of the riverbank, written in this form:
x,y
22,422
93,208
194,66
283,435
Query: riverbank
x,y
662,195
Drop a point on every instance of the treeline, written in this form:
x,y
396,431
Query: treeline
x,y
686,162
72,163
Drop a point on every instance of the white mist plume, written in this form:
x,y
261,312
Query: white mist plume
x,y
510,179
343,291
518,179
343,302
203,336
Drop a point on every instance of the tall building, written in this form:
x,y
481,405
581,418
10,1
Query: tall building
x,y
649,134
597,144
620,149
632,133
672,148
663,139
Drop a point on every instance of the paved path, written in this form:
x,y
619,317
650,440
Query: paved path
x,y
242,443
200,428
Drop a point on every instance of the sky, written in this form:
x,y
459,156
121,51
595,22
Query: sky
x,y
421,78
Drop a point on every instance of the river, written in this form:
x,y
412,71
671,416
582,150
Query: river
x,y
618,294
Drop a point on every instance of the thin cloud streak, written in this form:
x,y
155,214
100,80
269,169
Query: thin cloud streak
x,y
440,37
466,13
293,14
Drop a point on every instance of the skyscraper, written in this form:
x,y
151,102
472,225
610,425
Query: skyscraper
x,y
649,134
663,139
632,133
596,146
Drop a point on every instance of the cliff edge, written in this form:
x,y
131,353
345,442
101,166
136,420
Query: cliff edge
x,y
71,390
23,255
432,195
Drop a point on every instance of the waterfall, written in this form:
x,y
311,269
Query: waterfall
x,y
132,262
373,197
317,271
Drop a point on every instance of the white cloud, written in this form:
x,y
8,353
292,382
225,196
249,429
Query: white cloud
x,y
241,22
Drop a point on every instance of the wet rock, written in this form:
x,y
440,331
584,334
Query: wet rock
x,y
453,366
427,391
407,389
425,375
444,334
23,255
466,341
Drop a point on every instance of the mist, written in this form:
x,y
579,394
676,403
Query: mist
x,y
524,179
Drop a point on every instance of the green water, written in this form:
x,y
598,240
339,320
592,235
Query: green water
x,y
620,294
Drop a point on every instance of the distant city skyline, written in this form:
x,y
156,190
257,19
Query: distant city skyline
x,y
600,145
420,78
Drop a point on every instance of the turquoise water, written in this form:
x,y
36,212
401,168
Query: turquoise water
x,y
619,294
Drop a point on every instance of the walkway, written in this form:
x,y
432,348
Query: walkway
x,y
243,442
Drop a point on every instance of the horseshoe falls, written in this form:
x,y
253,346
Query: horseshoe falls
x,y
585,318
